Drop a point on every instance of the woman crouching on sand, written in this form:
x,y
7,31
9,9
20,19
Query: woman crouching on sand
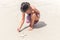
x,y
33,15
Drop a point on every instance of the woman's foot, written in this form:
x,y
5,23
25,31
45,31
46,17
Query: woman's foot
x,y
30,28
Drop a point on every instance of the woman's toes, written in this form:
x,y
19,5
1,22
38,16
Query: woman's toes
x,y
30,28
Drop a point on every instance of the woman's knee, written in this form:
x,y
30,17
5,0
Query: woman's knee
x,y
33,16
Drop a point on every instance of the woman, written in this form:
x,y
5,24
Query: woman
x,y
33,15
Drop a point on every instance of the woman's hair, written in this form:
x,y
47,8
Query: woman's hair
x,y
24,6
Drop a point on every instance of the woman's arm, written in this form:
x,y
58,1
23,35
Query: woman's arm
x,y
35,10
22,20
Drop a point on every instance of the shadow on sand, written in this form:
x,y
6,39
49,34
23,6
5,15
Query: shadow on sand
x,y
38,25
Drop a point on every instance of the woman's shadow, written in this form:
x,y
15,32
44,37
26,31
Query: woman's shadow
x,y
38,25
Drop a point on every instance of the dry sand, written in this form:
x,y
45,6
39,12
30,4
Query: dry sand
x,y
47,29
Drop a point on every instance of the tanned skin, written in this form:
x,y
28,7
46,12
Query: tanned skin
x,y
34,18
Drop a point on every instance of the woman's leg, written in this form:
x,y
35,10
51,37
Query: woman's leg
x,y
33,19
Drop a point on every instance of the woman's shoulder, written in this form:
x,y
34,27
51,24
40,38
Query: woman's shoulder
x,y
33,7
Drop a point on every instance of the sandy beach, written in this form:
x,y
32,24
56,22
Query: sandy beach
x,y
48,28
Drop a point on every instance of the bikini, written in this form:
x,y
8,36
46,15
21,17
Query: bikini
x,y
29,18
